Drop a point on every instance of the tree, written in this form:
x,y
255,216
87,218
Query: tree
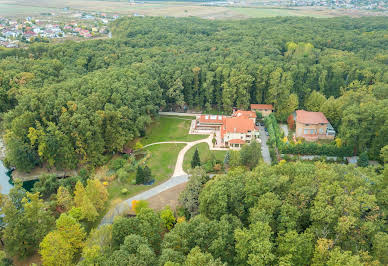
x,y
189,197
363,159
253,245
97,193
55,250
380,247
98,244
139,175
27,220
250,154
137,205
195,161
82,201
168,218
315,101
64,199
71,231
147,175
197,258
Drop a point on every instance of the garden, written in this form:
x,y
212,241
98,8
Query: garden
x,y
211,161
286,145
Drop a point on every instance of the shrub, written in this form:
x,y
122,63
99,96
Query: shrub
x,y
363,160
116,164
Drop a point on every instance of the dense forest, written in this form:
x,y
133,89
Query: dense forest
x,y
65,105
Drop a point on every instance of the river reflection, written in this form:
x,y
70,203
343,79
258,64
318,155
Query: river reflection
x,y
5,180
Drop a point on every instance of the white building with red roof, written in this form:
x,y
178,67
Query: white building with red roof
x,y
234,131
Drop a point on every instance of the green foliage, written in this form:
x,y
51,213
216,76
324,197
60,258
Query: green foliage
x,y
363,159
67,104
312,148
189,197
143,175
27,220
168,218
139,175
195,161
116,164
250,154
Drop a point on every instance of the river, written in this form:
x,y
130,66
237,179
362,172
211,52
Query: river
x,y
4,180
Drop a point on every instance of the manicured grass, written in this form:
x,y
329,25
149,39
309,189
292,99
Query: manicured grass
x,y
204,155
162,164
170,128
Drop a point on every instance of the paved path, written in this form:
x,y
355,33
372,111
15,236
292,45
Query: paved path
x,y
179,177
181,156
126,205
165,142
264,146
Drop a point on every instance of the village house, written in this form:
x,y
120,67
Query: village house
x,y
235,130
264,109
311,126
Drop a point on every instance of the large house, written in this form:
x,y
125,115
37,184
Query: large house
x,y
264,109
235,130
311,125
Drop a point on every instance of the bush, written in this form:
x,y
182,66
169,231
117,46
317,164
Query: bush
x,y
363,160
116,164
312,148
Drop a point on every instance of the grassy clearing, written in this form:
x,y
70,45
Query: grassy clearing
x,y
204,155
170,128
162,164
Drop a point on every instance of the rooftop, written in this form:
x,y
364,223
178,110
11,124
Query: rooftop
x,y
261,106
306,117
244,114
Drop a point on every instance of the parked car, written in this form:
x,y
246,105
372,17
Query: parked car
x,y
266,133
265,129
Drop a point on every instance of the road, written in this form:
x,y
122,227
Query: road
x,y
126,205
179,177
264,146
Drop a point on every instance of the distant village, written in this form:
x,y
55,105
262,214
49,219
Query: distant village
x,y
18,32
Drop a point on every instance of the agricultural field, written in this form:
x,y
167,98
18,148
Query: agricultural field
x,y
165,8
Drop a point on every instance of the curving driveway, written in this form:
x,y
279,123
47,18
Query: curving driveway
x,y
179,176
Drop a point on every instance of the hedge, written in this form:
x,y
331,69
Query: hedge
x,y
312,148
305,148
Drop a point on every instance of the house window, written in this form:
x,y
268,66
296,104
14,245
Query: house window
x,y
321,131
307,125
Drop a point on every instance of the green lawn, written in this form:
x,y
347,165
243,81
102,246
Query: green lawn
x,y
162,164
204,155
170,128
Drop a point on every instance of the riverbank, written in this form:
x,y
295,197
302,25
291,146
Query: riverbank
x,y
2,149
38,171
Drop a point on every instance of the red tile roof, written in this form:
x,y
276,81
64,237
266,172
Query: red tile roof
x,y
305,117
237,141
245,114
261,106
238,125
211,119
